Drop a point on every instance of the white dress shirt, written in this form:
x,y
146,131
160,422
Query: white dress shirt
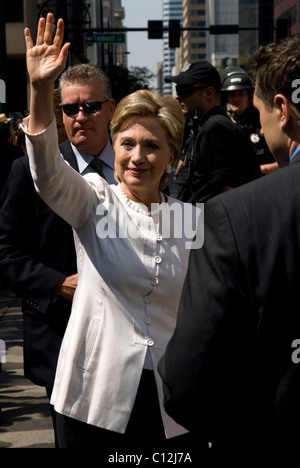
x,y
107,156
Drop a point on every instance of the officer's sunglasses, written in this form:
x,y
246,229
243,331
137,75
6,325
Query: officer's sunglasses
x,y
187,90
87,107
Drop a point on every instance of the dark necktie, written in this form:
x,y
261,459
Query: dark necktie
x,y
97,165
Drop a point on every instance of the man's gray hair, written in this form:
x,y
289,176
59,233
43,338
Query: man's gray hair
x,y
85,73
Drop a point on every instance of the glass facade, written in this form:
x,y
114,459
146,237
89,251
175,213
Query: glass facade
x,y
172,10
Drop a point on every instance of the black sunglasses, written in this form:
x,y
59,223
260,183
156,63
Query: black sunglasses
x,y
187,90
87,107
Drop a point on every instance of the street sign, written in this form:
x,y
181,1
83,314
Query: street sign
x,y
109,38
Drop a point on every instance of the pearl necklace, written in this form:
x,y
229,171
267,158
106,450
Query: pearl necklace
x,y
137,206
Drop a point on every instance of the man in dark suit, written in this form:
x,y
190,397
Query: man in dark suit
x,y
37,254
231,371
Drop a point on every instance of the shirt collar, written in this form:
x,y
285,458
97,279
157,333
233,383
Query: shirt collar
x,y
294,153
84,159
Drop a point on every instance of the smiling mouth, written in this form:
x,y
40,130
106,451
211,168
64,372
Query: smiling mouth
x,y
137,172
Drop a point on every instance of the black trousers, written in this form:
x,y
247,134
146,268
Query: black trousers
x,y
145,429
53,416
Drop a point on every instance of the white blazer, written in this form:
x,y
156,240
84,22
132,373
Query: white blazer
x,y
131,272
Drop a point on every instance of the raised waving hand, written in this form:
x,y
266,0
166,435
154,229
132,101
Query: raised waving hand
x,y
46,60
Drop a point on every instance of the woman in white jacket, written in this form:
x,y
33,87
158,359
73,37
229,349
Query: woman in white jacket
x,y
132,246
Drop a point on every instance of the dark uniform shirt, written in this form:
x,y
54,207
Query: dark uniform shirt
x,y
219,155
251,125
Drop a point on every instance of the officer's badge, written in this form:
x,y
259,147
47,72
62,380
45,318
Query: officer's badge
x,y
254,138
186,67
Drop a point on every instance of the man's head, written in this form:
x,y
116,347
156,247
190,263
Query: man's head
x,y
237,91
197,88
87,107
276,69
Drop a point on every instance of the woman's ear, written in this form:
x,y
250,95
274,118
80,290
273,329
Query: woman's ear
x,y
172,159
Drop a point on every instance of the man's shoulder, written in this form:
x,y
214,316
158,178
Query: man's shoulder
x,y
279,187
221,120
217,121
21,163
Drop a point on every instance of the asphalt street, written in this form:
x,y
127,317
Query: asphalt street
x,y
25,420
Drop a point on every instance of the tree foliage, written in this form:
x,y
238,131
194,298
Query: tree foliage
x,y
126,81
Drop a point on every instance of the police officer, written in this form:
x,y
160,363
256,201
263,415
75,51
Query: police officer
x,y
218,155
237,94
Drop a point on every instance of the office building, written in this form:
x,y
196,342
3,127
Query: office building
x,y
172,10
287,16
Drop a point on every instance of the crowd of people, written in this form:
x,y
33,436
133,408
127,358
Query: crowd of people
x,y
12,140
139,340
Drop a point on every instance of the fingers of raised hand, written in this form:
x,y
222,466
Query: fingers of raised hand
x,y
45,32
59,36
28,38
40,32
48,31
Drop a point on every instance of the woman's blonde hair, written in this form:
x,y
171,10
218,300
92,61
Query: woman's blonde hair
x,y
165,109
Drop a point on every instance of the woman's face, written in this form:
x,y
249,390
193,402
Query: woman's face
x,y
142,153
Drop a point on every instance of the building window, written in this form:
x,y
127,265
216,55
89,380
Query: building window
x,y
198,56
198,34
197,12
194,24
293,15
198,45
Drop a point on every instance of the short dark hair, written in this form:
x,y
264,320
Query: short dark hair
x,y
274,68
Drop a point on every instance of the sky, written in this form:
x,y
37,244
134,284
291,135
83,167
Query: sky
x,y
144,52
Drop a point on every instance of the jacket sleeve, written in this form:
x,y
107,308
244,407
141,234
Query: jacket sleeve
x,y
202,359
21,266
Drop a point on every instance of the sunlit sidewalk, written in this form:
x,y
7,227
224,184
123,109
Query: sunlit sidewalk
x,y
25,420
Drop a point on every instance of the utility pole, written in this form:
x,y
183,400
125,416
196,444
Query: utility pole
x,y
3,59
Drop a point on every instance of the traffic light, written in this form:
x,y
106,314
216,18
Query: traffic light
x,y
282,28
174,33
155,29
